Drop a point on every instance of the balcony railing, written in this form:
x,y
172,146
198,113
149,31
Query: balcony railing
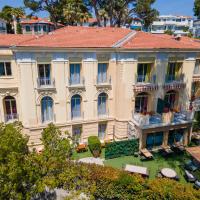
x,y
77,81
46,83
145,83
11,117
174,78
149,79
101,81
159,120
102,113
174,82
77,115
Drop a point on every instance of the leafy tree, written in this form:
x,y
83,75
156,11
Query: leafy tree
x,y
9,14
197,8
75,12
144,11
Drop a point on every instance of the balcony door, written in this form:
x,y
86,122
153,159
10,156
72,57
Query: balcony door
x,y
143,72
173,71
44,71
10,108
154,140
47,109
170,99
75,73
102,104
102,73
141,103
76,106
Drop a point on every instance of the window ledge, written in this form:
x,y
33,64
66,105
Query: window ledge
x,y
6,77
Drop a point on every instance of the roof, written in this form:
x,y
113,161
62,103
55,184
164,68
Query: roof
x,y
194,152
7,40
143,40
80,37
95,37
36,21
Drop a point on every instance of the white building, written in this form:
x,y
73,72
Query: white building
x,y
177,24
196,28
3,28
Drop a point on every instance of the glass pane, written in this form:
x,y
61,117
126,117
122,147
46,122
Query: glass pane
x,y
102,131
150,141
158,139
2,69
14,107
8,107
8,69
41,71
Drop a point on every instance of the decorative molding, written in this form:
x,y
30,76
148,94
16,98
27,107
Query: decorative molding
x,y
43,94
8,92
74,92
102,90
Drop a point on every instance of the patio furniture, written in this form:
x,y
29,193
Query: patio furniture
x,y
190,166
81,148
189,176
146,153
166,150
137,170
179,146
159,175
197,184
168,173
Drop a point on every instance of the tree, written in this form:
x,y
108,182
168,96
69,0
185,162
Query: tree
x,y
11,15
75,12
144,11
197,8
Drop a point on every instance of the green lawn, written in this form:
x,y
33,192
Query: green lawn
x,y
174,162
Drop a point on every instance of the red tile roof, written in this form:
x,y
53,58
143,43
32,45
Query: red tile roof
x,y
7,40
93,37
142,40
34,21
80,37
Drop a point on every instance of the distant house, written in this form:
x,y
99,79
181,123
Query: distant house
x,y
196,28
136,24
3,28
38,26
177,24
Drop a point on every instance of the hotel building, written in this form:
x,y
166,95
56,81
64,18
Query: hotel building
x,y
110,82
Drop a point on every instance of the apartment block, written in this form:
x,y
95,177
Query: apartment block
x,y
110,82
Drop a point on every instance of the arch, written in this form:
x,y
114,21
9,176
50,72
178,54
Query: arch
x,y
47,109
10,108
102,103
141,102
76,101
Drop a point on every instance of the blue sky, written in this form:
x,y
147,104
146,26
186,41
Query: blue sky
x,y
178,7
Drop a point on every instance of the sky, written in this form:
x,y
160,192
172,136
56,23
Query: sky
x,y
177,7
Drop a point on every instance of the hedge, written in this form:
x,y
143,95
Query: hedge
x,y
94,145
121,148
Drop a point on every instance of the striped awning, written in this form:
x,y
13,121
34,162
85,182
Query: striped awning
x,y
196,78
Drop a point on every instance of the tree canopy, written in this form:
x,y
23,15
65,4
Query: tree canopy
x,y
197,8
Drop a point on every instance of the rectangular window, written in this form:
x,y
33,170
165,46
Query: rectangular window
x,y
143,72
28,29
102,131
102,72
154,140
173,71
5,69
75,73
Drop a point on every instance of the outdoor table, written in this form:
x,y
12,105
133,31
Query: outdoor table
x,y
146,153
169,173
137,169
167,149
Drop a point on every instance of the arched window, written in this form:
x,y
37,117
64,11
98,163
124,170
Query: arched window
x,y
47,109
102,104
141,103
76,106
10,108
170,99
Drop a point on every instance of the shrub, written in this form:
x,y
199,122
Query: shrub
x,y
94,146
121,148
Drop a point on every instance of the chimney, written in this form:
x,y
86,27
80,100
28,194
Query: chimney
x,y
177,37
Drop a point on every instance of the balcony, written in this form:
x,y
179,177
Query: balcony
x,y
77,82
161,120
103,82
103,114
46,83
76,115
145,83
11,117
174,82
196,74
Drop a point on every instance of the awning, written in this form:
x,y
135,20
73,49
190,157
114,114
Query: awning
x,y
194,152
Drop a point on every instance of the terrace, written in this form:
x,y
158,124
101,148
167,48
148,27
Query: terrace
x,y
164,119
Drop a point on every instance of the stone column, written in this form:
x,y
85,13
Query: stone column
x,y
165,138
